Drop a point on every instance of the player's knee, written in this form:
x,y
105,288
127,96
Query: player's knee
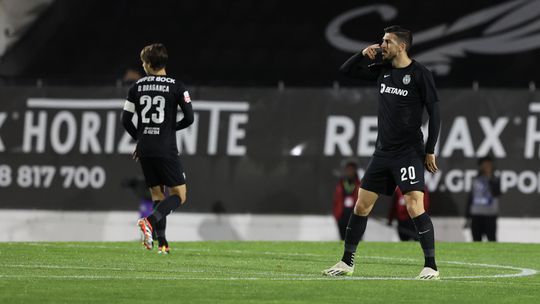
x,y
361,209
157,194
364,204
181,193
415,205
183,199
413,210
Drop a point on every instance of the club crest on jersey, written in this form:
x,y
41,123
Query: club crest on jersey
x,y
187,99
406,79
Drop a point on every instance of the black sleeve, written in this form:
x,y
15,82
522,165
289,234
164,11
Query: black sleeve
x,y
128,124
426,86
131,95
360,67
128,112
184,101
433,126
495,186
428,93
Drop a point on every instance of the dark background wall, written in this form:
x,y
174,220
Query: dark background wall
x,y
245,42
269,155
257,148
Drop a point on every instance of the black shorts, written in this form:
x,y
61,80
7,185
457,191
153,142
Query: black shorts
x,y
383,174
159,171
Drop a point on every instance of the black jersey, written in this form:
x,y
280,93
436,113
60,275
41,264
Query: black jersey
x,y
155,100
403,94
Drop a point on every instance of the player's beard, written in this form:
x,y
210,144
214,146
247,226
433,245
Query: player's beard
x,y
388,58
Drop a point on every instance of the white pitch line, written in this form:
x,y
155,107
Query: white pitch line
x,y
179,278
61,267
523,272
287,277
38,244
180,249
126,269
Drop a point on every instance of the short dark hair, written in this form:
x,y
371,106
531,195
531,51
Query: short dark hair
x,y
155,55
351,164
404,35
487,158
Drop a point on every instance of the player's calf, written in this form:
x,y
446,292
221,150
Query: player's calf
x,y
180,191
163,209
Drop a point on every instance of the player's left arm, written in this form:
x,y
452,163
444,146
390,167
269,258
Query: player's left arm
x,y
187,109
431,100
433,134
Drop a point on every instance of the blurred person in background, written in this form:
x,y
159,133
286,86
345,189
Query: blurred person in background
x,y
131,75
345,196
138,186
398,211
483,204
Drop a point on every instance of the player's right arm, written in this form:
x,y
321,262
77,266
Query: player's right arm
x,y
185,104
127,115
358,65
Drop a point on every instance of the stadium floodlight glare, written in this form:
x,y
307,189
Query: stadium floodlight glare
x,y
298,150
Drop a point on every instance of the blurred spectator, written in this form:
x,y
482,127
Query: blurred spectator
x,y
398,211
483,204
131,75
345,196
139,188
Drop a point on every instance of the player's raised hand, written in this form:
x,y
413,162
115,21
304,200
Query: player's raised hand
x,y
371,51
430,163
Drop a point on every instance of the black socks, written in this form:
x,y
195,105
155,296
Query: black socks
x,y
353,235
159,229
357,227
426,236
163,209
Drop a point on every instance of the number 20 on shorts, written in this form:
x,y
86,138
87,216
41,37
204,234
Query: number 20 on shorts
x,y
407,173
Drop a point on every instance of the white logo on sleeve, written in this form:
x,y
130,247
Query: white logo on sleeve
x,y
187,99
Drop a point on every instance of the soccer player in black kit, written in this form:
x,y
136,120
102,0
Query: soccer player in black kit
x,y
405,88
155,99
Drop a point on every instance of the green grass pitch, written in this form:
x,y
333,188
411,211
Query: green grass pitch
x,y
264,272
